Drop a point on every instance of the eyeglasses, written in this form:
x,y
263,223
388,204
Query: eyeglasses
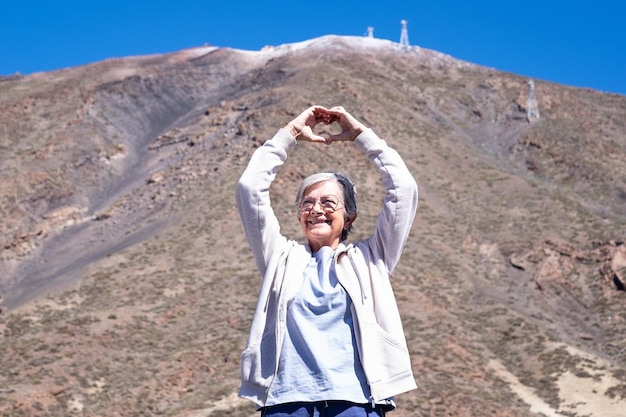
x,y
328,203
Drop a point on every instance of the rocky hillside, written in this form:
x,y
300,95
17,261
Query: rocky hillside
x,y
128,289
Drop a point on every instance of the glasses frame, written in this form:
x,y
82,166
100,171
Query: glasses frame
x,y
325,208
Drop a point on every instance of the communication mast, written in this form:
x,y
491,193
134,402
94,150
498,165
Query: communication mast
x,y
370,32
532,110
404,34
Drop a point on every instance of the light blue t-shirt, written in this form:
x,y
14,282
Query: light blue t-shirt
x,y
319,359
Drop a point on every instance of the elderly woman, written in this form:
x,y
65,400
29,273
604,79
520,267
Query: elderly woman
x,y
326,338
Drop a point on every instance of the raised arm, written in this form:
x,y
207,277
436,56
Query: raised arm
x,y
400,204
252,194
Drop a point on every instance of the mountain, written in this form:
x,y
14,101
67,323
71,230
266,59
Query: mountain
x,y
128,287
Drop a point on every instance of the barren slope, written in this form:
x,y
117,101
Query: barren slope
x,y
117,183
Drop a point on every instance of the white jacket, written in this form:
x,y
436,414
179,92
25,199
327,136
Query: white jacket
x,y
362,268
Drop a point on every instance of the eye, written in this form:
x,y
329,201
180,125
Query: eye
x,y
307,204
329,202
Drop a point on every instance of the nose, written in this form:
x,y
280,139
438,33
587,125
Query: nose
x,y
315,205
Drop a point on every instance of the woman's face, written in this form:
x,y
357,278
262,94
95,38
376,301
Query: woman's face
x,y
322,225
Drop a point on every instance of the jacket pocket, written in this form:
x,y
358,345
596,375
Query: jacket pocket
x,y
384,357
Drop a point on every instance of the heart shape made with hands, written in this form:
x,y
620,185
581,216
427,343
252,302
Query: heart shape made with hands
x,y
311,118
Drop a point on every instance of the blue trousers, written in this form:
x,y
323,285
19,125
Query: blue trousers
x,y
323,409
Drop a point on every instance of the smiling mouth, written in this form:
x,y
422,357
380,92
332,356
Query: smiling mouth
x,y
319,221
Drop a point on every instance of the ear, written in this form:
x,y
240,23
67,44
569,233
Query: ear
x,y
348,222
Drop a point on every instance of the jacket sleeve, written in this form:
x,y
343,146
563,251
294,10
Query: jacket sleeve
x,y
400,204
253,198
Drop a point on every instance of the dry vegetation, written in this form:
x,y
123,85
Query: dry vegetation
x,y
128,287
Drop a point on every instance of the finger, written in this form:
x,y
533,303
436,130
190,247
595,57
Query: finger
x,y
306,134
318,139
320,112
336,111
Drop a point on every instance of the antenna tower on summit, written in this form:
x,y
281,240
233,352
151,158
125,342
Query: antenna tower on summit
x,y
370,32
532,110
404,34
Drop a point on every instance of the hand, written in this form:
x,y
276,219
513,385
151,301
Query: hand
x,y
350,127
302,126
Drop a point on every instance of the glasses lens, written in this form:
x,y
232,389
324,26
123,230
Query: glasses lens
x,y
329,202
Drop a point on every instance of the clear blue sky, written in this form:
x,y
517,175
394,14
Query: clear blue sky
x,y
576,43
